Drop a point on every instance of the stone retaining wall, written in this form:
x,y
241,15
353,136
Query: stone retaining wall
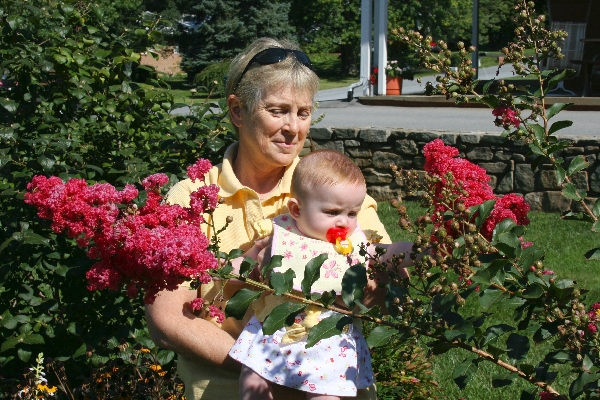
x,y
506,162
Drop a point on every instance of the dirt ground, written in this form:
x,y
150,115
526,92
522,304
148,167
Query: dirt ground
x,y
168,62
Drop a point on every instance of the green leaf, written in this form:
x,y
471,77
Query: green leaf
x,y
312,272
273,264
596,208
10,343
247,266
380,336
80,351
556,108
570,191
503,226
506,379
353,284
440,346
280,314
579,384
492,333
328,327
533,291
24,355
283,282
558,125
463,330
558,357
539,133
593,254
9,105
560,175
165,356
517,346
484,210
239,303
463,372
577,164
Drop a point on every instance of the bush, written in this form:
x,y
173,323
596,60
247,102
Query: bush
x,y
212,78
77,113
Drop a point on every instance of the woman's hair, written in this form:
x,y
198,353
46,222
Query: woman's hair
x,y
258,78
324,168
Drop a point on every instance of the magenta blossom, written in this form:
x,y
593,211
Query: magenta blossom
x,y
506,117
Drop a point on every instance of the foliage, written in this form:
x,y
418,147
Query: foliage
x,y
135,370
226,28
213,76
77,113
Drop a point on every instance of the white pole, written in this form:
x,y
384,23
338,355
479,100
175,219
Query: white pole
x,y
380,42
366,21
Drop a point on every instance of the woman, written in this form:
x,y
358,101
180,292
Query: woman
x,y
270,91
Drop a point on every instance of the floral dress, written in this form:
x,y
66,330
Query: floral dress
x,y
336,366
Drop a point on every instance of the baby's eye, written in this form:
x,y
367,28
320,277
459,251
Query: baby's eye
x,y
332,212
352,214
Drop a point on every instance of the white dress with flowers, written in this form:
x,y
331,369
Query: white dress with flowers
x,y
338,365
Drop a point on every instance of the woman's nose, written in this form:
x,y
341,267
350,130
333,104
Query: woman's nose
x,y
292,123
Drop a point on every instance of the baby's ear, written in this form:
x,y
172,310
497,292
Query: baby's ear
x,y
294,207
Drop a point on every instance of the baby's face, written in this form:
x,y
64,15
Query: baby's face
x,y
328,207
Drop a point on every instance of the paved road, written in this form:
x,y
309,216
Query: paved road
x,y
341,113
353,114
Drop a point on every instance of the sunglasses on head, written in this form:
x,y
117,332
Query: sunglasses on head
x,y
275,55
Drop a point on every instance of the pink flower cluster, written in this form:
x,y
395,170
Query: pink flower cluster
x,y
472,179
155,247
506,117
594,317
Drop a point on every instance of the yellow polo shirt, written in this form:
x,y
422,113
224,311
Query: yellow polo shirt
x,y
205,381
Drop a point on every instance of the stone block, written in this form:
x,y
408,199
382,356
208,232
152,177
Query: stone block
x,y
548,201
592,149
518,157
449,139
359,152
384,160
580,179
505,183
375,135
570,151
351,143
497,167
493,181
399,134
480,154
590,201
425,137
524,178
341,133
500,155
336,145
490,138
363,162
548,181
321,133
372,176
470,138
595,179
408,147
384,193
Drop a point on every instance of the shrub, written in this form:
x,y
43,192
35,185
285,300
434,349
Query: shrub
x,y
76,112
212,78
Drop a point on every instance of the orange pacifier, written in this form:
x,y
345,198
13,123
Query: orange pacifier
x,y
338,237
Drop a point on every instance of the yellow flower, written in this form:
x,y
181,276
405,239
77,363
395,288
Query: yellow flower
x,y
47,389
145,350
155,367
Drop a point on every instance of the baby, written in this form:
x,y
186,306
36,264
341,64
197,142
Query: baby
x,y
327,193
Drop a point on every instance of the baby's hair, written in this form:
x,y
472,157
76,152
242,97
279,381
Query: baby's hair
x,y
324,168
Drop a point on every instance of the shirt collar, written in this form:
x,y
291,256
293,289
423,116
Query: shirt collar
x,y
230,184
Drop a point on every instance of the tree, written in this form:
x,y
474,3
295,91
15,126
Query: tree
x,y
324,26
227,27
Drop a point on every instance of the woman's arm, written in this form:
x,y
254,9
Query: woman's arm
x,y
173,326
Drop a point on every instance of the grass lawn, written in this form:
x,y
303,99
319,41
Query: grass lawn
x,y
564,242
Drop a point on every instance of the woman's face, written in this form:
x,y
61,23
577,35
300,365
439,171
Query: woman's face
x,y
273,135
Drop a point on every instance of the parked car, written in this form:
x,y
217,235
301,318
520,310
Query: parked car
x,y
7,84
